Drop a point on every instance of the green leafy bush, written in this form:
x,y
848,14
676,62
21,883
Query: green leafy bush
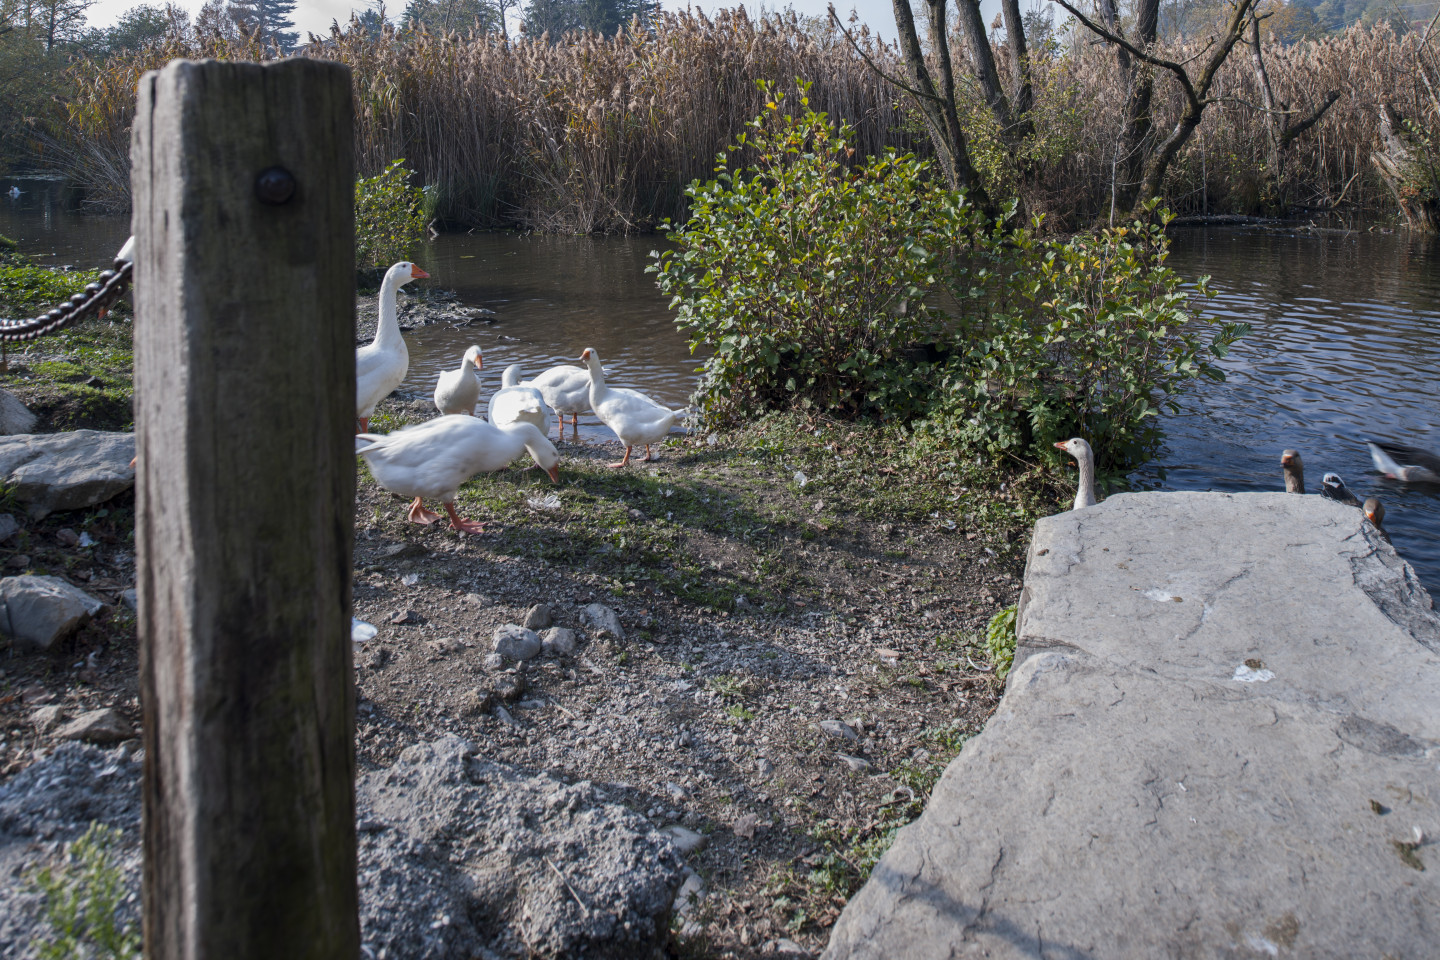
x,y
83,895
1090,336
390,217
806,275
1000,641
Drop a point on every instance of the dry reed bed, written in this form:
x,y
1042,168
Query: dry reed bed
x,y
601,134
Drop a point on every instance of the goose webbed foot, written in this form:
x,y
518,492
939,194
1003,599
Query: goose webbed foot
x,y
461,525
418,514
616,466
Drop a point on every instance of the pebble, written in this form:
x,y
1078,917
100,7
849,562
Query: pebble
x,y
8,527
764,767
494,662
691,892
785,947
477,701
558,642
839,728
67,537
407,549
131,599
18,562
404,617
538,617
858,764
516,643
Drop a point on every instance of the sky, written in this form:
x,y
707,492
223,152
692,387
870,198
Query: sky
x,y
314,16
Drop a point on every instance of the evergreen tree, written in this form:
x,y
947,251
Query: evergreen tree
x,y
601,16
270,19
442,16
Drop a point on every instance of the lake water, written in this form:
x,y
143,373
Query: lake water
x,y
1346,343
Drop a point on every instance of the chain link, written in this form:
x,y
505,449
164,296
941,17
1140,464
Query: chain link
x,y
100,295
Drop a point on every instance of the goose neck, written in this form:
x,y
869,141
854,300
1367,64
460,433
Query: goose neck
x,y
1085,496
388,328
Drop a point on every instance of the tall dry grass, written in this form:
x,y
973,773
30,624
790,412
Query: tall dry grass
x,y
587,134
1224,169
596,134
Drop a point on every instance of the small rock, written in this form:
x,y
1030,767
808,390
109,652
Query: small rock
x,y
67,537
39,611
677,792
745,826
15,417
516,643
36,693
743,604
538,617
445,646
18,562
686,841
395,551
48,718
503,716
131,599
379,657
98,726
558,642
401,617
510,686
785,947
765,767
858,764
839,728
602,621
688,897
8,527
494,662
477,701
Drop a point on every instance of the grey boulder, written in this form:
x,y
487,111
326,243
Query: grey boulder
x,y
516,643
67,471
459,856
38,611
602,621
1219,740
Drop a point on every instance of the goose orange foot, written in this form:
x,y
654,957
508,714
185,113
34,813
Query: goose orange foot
x,y
622,462
418,513
459,523
364,423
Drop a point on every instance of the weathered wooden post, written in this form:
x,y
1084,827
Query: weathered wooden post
x,y
243,180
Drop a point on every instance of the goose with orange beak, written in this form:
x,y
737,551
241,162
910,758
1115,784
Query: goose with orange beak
x,y
381,365
430,461
1085,457
634,417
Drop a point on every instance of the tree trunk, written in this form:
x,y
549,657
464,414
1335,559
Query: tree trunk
x,y
1412,177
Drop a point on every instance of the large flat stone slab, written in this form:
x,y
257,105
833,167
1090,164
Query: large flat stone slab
x,y
67,471
1143,791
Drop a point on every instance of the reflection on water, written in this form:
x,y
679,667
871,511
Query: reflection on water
x,y
1345,348
1345,344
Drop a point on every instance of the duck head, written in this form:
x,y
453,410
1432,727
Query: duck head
x,y
472,355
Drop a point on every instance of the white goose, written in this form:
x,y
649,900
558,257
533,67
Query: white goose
x,y
380,366
567,390
457,391
634,417
1080,450
432,459
514,403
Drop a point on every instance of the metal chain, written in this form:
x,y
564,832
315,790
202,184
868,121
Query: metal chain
x,y
100,295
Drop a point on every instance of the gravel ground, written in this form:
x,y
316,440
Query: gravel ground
x,y
801,649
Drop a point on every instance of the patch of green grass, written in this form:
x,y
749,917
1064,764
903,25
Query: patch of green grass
x,y
739,714
1000,641
32,290
82,895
